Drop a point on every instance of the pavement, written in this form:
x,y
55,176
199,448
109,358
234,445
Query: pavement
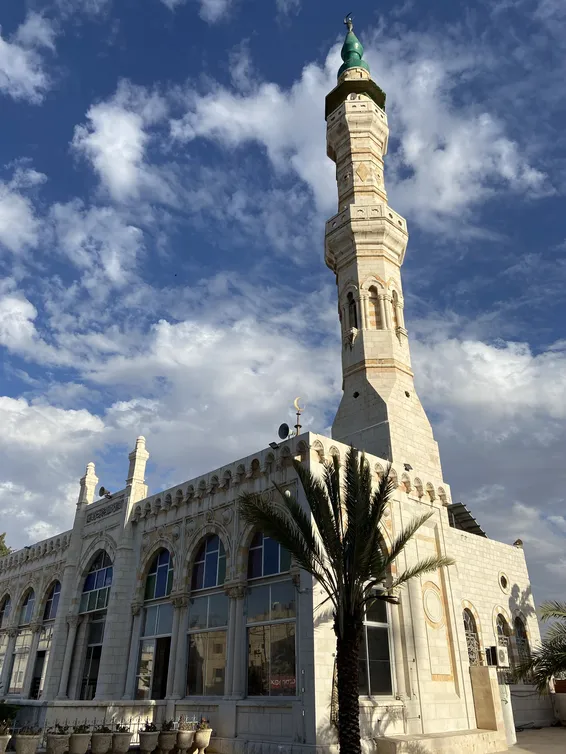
x,y
543,741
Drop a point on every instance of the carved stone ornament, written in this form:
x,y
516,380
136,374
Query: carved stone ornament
x,y
237,592
209,516
136,608
227,516
35,627
12,632
180,600
351,336
74,620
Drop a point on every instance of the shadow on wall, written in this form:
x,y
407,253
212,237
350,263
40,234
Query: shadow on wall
x,y
522,601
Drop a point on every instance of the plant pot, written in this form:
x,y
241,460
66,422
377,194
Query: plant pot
x,y
185,740
57,743
166,740
26,744
4,742
121,742
101,743
148,740
79,743
202,739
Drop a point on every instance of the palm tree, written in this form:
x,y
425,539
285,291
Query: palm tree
x,y
339,543
548,659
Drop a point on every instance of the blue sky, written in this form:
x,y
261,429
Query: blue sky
x,y
163,192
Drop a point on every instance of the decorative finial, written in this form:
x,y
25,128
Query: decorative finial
x,y
352,50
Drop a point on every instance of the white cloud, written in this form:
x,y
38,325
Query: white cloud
x,y
212,11
100,243
450,158
22,67
115,140
287,7
18,226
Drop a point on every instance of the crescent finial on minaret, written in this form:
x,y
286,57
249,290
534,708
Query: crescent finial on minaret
x,y
348,21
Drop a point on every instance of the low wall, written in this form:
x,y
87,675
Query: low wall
x,y
532,709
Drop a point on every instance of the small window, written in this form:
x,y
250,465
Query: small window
x,y
374,312
50,612
209,569
374,673
208,621
522,640
26,613
266,557
352,311
160,577
472,638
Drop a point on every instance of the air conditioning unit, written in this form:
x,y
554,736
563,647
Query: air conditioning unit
x,y
502,657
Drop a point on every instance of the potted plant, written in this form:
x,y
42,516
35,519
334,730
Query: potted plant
x,y
27,739
5,734
185,734
80,739
101,741
202,735
121,739
58,739
148,737
167,736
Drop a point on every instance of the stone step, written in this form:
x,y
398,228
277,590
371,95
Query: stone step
x,y
456,742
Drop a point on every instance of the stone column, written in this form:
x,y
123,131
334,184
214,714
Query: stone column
x,y
36,630
400,315
364,315
73,622
180,668
400,680
180,603
384,312
238,687
129,688
6,670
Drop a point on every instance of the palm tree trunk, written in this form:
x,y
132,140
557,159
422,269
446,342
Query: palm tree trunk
x,y
347,657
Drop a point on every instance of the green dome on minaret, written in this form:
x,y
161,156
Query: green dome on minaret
x,y
352,50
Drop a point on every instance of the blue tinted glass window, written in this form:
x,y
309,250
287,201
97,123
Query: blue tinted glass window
x,y
96,585
160,577
100,576
266,557
163,558
270,556
209,569
90,582
108,579
161,582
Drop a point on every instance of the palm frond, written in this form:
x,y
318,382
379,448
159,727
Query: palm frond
x,y
546,661
280,526
423,566
553,609
405,536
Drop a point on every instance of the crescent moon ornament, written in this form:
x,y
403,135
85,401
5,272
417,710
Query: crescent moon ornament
x,y
297,407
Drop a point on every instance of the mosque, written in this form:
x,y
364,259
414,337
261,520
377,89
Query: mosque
x,y
149,607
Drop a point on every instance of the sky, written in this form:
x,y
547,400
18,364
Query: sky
x,y
163,191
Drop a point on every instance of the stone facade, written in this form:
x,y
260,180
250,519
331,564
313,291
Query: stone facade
x,y
162,605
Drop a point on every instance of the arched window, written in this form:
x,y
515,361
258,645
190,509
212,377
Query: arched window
x,y
395,309
271,618
472,638
44,643
208,621
374,312
94,600
210,564
52,602
22,647
522,640
157,625
375,655
352,311
504,640
5,610
27,608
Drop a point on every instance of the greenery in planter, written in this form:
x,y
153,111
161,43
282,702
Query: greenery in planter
x,y
8,711
5,727
167,725
149,727
102,729
59,730
121,728
185,724
81,729
203,724
29,730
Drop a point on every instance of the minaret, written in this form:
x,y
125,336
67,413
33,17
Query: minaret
x,y
365,245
